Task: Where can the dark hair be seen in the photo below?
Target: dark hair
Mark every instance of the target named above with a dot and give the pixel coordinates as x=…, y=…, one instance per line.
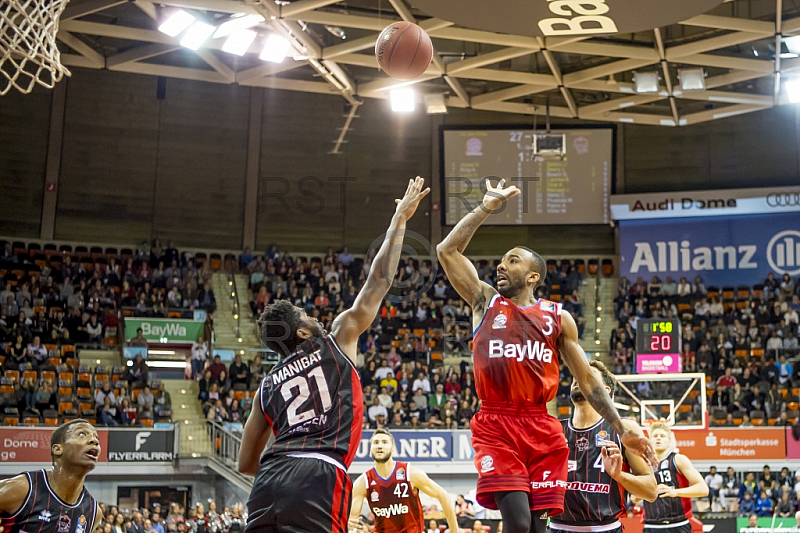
x=60, y=434
x=538, y=264
x=278, y=326
x=608, y=378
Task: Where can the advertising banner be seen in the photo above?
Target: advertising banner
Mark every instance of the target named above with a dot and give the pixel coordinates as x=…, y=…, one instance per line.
x=32, y=445
x=729, y=202
x=658, y=363
x=164, y=330
x=425, y=446
x=722, y=251
x=140, y=445
x=732, y=443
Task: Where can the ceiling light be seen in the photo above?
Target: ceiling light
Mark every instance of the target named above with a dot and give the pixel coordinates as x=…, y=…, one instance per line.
x=237, y=23
x=402, y=100
x=434, y=104
x=176, y=23
x=275, y=49
x=239, y=41
x=692, y=79
x=793, y=90
x=196, y=35
x=792, y=44
x=337, y=31
x=646, y=82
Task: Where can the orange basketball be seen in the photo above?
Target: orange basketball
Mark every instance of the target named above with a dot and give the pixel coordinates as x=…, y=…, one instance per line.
x=403, y=50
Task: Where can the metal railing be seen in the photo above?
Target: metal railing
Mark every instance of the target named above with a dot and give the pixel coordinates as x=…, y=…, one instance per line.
x=224, y=457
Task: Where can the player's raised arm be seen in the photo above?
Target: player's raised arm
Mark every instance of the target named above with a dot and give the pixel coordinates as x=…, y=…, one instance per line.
x=254, y=438
x=640, y=481
x=359, y=494
x=595, y=392
x=350, y=324
x=13, y=492
x=697, y=486
x=460, y=271
x=421, y=481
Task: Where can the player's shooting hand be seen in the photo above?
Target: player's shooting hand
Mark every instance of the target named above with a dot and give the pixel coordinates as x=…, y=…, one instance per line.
x=414, y=193
x=641, y=446
x=612, y=459
x=496, y=196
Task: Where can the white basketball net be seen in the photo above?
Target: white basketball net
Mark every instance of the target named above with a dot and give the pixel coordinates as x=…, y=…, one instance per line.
x=28, y=51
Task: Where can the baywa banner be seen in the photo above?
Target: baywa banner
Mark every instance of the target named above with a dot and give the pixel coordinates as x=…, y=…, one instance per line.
x=164, y=330
x=722, y=251
x=137, y=446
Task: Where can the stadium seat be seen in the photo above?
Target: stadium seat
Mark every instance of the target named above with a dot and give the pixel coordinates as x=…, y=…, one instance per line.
x=216, y=262
x=608, y=268
x=757, y=418
x=29, y=420
x=12, y=375
x=10, y=420
x=50, y=250
x=30, y=374
x=592, y=267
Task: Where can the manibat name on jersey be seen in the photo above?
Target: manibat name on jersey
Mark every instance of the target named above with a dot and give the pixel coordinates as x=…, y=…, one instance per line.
x=291, y=369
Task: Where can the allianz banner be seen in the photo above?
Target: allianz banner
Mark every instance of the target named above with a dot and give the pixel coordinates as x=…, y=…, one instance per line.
x=722, y=250
x=141, y=445
x=164, y=330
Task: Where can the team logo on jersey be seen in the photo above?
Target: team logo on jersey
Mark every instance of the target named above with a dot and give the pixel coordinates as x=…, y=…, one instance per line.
x=487, y=463
x=81, y=527
x=664, y=464
x=64, y=524
x=401, y=474
x=548, y=306
x=572, y=466
x=601, y=437
x=373, y=483
x=582, y=444
x=374, y=496
x=500, y=321
x=45, y=516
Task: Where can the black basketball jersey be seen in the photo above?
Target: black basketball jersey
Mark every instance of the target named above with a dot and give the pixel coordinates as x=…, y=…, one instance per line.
x=44, y=512
x=593, y=498
x=314, y=402
x=668, y=510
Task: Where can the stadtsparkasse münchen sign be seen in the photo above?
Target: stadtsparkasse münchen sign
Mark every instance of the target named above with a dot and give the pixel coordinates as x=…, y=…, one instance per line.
x=553, y=18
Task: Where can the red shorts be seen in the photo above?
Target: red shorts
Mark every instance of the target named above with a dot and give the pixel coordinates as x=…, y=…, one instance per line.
x=520, y=448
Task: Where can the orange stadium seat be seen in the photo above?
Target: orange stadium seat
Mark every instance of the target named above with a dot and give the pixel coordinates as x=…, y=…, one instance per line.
x=30, y=374
x=48, y=375
x=31, y=420
x=13, y=375
x=10, y=420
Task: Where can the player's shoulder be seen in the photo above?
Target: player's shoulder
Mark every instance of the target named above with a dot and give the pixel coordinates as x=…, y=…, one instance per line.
x=13, y=493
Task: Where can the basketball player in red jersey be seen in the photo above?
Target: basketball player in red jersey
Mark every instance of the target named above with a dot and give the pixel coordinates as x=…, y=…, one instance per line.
x=392, y=488
x=55, y=501
x=520, y=450
x=678, y=482
x=312, y=402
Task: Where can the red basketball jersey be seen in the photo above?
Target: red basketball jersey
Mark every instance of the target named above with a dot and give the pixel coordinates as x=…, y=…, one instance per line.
x=394, y=502
x=515, y=352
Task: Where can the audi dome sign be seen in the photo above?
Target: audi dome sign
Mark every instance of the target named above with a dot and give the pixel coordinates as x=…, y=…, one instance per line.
x=553, y=18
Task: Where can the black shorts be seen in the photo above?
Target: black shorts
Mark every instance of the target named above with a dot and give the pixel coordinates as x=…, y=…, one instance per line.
x=684, y=527
x=299, y=495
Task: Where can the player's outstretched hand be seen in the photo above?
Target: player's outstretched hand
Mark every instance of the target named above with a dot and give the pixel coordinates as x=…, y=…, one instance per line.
x=612, y=459
x=414, y=193
x=495, y=196
x=353, y=524
x=641, y=446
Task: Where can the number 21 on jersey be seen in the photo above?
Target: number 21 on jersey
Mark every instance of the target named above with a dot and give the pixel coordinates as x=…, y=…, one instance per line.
x=301, y=384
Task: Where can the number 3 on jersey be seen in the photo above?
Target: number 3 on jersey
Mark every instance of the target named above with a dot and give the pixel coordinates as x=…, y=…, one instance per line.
x=301, y=383
x=548, y=326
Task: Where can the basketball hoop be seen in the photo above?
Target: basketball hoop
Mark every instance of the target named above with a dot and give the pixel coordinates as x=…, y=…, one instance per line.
x=28, y=51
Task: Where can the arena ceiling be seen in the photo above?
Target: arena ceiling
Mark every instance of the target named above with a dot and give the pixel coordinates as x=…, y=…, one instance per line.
x=588, y=78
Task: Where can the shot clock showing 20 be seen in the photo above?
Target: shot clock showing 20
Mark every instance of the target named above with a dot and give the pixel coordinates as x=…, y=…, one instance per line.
x=658, y=346
x=658, y=336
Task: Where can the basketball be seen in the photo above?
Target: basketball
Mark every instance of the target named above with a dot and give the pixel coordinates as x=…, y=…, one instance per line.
x=403, y=50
